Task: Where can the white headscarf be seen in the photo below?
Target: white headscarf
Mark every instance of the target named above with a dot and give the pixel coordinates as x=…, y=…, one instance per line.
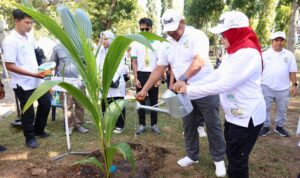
x=109, y=35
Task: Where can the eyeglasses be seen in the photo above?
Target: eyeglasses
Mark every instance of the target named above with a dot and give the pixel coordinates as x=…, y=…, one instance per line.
x=145, y=29
x=220, y=36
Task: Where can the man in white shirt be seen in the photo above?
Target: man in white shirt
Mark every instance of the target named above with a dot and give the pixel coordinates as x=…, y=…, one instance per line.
x=187, y=54
x=143, y=62
x=22, y=65
x=280, y=69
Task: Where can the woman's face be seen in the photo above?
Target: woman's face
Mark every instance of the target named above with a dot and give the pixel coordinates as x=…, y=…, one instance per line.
x=105, y=42
x=224, y=41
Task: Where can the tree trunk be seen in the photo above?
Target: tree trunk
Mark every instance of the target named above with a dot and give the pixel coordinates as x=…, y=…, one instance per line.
x=292, y=27
x=109, y=21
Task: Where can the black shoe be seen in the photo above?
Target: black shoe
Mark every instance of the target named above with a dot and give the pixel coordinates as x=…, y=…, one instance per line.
x=42, y=135
x=2, y=148
x=264, y=131
x=31, y=143
x=281, y=131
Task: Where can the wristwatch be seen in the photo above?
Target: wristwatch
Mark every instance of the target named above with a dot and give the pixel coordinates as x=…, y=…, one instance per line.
x=295, y=84
x=183, y=78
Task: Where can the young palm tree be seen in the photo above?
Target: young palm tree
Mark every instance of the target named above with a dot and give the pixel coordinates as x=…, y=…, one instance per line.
x=76, y=37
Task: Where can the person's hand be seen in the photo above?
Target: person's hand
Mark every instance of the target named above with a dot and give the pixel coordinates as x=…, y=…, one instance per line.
x=294, y=90
x=141, y=95
x=182, y=89
x=137, y=83
x=2, y=93
x=177, y=86
x=171, y=87
x=157, y=84
x=41, y=75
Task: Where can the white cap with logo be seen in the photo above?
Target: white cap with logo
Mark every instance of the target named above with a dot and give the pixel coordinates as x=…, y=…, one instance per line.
x=170, y=20
x=278, y=34
x=231, y=19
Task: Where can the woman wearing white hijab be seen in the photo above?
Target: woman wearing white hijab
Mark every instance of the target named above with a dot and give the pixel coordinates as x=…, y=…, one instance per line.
x=117, y=91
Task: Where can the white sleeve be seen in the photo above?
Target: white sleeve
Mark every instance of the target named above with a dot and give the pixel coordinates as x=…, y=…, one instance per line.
x=293, y=64
x=134, y=50
x=212, y=77
x=162, y=56
x=10, y=51
x=240, y=70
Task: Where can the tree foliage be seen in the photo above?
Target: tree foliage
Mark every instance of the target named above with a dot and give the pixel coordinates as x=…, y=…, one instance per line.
x=105, y=13
x=200, y=12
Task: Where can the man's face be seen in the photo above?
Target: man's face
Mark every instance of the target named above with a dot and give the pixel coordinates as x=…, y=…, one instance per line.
x=177, y=33
x=144, y=27
x=24, y=25
x=278, y=44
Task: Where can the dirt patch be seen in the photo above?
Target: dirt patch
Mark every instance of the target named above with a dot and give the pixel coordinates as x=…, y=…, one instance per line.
x=148, y=159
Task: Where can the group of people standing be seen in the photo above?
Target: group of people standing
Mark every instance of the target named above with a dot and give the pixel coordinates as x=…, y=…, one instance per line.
x=246, y=84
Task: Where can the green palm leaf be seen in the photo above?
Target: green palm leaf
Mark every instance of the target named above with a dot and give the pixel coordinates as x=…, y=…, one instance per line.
x=91, y=160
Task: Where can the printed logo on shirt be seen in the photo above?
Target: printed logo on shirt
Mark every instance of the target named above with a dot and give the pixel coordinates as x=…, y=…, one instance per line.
x=186, y=44
x=286, y=59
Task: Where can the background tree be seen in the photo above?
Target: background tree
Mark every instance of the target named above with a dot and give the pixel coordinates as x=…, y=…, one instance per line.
x=105, y=13
x=200, y=14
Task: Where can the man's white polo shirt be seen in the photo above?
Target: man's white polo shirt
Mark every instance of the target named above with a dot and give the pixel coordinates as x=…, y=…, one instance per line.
x=277, y=66
x=139, y=52
x=180, y=54
x=19, y=49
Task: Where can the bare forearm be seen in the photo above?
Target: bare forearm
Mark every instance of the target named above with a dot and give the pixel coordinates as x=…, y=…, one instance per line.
x=134, y=68
x=195, y=67
x=154, y=77
x=13, y=68
x=293, y=77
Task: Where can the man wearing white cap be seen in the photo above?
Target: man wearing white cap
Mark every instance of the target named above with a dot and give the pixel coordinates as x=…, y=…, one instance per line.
x=187, y=54
x=280, y=69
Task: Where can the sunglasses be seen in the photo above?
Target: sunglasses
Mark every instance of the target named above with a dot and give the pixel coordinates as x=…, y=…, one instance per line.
x=145, y=29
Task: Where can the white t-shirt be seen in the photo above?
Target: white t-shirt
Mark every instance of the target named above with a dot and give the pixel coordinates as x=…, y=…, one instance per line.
x=277, y=67
x=139, y=52
x=180, y=54
x=19, y=49
x=238, y=81
x=113, y=92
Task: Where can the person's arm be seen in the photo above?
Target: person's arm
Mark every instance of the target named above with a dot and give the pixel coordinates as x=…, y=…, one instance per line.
x=240, y=70
x=2, y=91
x=293, y=79
x=134, y=70
x=119, y=71
x=13, y=68
x=154, y=77
x=172, y=78
x=199, y=49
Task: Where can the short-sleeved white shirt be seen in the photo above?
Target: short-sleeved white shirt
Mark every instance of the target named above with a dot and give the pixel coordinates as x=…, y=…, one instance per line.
x=277, y=66
x=19, y=49
x=138, y=52
x=180, y=54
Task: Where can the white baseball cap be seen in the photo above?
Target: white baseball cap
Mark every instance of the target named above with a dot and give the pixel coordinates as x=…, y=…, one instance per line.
x=170, y=20
x=231, y=19
x=278, y=34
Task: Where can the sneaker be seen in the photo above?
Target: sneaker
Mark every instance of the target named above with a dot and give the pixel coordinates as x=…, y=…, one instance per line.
x=140, y=130
x=201, y=131
x=118, y=130
x=220, y=169
x=31, y=143
x=186, y=161
x=281, y=131
x=44, y=134
x=264, y=131
x=2, y=148
x=82, y=129
x=155, y=129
